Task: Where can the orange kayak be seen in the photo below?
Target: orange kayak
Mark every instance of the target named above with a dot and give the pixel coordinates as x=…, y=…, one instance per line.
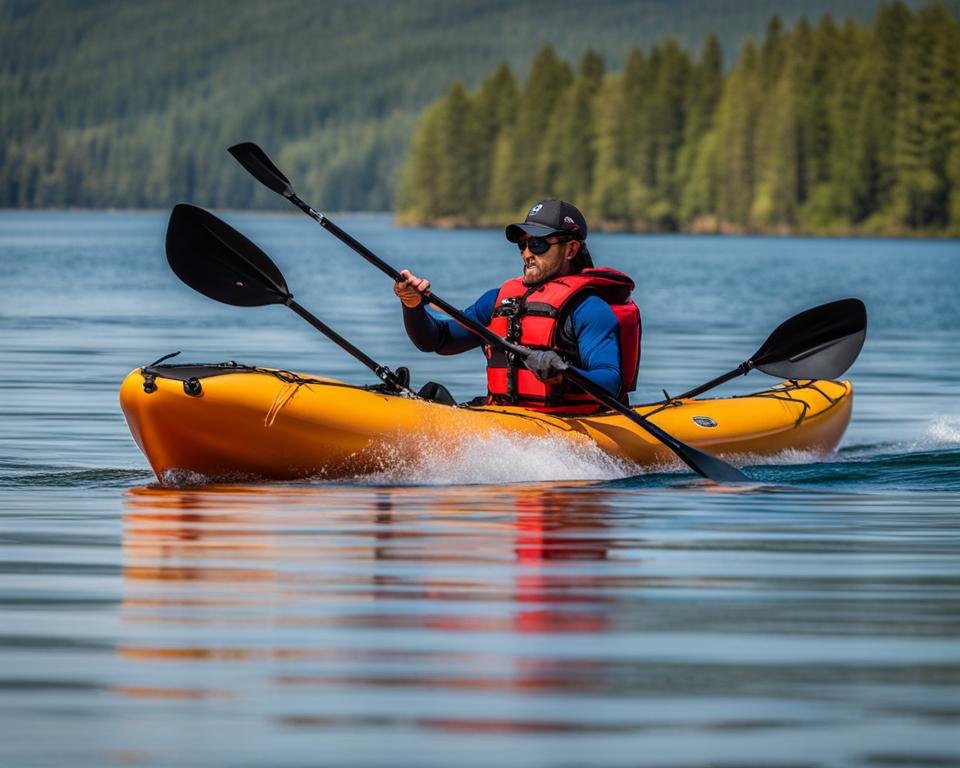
x=230, y=422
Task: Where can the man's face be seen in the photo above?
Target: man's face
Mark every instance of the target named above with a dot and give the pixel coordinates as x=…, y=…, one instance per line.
x=554, y=262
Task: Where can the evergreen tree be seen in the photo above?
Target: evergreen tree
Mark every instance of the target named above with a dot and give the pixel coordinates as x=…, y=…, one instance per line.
x=924, y=127
x=548, y=80
x=610, y=180
x=697, y=196
x=570, y=154
x=494, y=106
x=852, y=158
x=501, y=200
x=637, y=136
x=773, y=53
x=456, y=155
x=944, y=104
x=667, y=114
x=889, y=30
x=817, y=138
x=854, y=153
x=737, y=118
x=777, y=161
x=419, y=192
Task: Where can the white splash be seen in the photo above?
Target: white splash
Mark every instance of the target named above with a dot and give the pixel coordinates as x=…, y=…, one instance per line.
x=498, y=458
x=945, y=432
x=785, y=457
x=181, y=478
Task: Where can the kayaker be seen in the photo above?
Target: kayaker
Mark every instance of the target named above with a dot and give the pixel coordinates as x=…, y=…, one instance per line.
x=561, y=306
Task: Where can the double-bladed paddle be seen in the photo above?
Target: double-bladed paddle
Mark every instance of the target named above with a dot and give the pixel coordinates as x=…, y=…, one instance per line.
x=214, y=259
x=818, y=343
x=256, y=161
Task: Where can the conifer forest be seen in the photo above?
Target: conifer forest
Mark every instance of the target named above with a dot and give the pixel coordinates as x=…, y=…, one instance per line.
x=698, y=115
x=819, y=128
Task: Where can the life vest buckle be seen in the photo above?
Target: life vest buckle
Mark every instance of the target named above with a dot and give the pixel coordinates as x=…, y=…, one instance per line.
x=510, y=307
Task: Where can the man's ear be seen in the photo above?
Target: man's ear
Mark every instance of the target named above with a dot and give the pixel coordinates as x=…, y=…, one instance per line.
x=572, y=252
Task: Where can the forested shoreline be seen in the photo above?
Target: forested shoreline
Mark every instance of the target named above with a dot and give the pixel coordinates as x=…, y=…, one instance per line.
x=111, y=104
x=822, y=128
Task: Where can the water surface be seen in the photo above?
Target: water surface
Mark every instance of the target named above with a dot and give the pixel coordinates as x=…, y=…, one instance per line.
x=517, y=605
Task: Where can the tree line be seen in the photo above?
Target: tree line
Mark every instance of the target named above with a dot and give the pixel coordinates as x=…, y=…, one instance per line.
x=825, y=128
x=108, y=103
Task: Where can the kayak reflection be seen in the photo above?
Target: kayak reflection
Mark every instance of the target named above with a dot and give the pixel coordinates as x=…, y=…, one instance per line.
x=321, y=588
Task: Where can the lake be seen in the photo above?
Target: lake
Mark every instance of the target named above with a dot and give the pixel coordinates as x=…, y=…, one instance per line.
x=506, y=606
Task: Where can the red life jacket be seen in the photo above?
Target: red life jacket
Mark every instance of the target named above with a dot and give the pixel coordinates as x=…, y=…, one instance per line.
x=535, y=317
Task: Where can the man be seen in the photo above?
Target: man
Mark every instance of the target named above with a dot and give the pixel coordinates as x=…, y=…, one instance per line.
x=567, y=311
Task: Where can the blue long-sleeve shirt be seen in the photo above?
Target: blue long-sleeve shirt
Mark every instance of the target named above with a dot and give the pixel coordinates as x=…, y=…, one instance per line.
x=592, y=323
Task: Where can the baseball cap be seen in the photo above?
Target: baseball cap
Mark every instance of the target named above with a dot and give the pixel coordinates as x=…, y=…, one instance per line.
x=548, y=217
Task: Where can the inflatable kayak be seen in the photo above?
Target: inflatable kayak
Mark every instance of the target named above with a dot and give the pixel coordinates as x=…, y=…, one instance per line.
x=229, y=422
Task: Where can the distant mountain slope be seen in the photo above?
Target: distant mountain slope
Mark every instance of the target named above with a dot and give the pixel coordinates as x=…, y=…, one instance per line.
x=109, y=103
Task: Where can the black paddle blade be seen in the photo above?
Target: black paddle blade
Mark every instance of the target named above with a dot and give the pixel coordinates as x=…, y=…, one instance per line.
x=255, y=160
x=820, y=343
x=214, y=259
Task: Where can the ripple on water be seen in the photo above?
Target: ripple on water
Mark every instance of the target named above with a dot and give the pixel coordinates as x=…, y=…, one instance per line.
x=473, y=606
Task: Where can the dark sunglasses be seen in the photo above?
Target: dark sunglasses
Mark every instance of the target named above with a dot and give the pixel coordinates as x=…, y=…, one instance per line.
x=539, y=245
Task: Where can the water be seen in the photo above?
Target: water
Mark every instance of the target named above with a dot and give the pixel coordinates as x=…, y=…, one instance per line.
x=517, y=605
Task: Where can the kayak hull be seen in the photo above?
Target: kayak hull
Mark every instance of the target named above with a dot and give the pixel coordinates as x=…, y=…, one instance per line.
x=244, y=423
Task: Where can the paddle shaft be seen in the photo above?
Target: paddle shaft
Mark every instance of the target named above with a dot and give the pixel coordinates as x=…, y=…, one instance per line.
x=382, y=371
x=702, y=463
x=480, y=330
x=359, y=247
x=741, y=370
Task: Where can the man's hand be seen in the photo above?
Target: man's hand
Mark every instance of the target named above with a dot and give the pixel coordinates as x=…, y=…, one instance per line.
x=545, y=364
x=410, y=289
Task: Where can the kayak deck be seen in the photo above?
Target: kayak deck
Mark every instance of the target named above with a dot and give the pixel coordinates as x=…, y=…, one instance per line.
x=229, y=422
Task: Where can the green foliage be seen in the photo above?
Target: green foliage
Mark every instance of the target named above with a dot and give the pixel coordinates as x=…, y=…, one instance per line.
x=696, y=198
x=126, y=104
x=821, y=128
x=568, y=154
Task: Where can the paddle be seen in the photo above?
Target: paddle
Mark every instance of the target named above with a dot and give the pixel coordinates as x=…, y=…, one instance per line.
x=256, y=161
x=217, y=261
x=818, y=343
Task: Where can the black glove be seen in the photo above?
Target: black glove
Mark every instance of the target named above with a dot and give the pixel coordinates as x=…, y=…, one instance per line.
x=545, y=364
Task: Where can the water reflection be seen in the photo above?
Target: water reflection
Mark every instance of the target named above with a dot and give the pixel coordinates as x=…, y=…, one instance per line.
x=317, y=575
x=531, y=610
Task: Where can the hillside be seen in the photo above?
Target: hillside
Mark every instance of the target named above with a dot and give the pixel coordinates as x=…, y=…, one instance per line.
x=113, y=104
